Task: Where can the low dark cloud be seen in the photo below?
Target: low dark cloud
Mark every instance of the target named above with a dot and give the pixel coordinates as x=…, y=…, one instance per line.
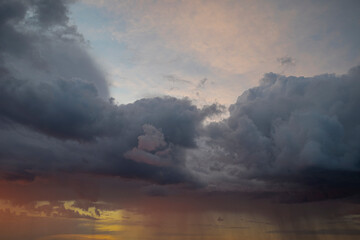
x=156, y=191
x=336, y=232
x=120, y=131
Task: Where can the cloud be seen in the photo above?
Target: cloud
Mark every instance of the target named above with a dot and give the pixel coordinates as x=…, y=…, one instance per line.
x=55, y=113
x=286, y=61
x=35, y=153
x=336, y=232
x=52, y=12
x=175, y=79
x=152, y=140
x=151, y=149
x=56, y=119
x=201, y=84
x=156, y=191
x=286, y=131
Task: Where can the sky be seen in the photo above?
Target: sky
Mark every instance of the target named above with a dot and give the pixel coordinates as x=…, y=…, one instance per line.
x=179, y=120
x=171, y=47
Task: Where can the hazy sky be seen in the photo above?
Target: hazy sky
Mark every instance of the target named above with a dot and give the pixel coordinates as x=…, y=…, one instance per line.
x=211, y=120
x=151, y=48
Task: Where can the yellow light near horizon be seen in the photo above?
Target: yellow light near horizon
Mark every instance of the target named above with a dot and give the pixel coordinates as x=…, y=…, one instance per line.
x=158, y=224
x=79, y=237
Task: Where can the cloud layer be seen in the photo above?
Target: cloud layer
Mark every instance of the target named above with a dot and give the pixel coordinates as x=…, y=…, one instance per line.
x=56, y=118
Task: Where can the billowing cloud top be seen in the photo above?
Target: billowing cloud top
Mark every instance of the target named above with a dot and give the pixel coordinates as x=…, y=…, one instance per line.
x=56, y=118
x=293, y=130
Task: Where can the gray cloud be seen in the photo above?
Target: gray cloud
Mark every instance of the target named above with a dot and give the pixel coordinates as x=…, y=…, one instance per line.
x=286, y=61
x=48, y=79
x=201, y=84
x=27, y=154
x=51, y=12
x=175, y=79
x=335, y=232
x=55, y=116
x=291, y=130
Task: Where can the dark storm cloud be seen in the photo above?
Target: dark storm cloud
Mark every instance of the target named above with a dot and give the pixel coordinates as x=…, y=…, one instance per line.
x=62, y=108
x=51, y=12
x=55, y=116
x=294, y=130
x=42, y=85
x=27, y=154
x=12, y=41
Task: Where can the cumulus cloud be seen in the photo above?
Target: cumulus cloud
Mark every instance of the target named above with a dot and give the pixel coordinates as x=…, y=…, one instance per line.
x=293, y=130
x=151, y=148
x=152, y=140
